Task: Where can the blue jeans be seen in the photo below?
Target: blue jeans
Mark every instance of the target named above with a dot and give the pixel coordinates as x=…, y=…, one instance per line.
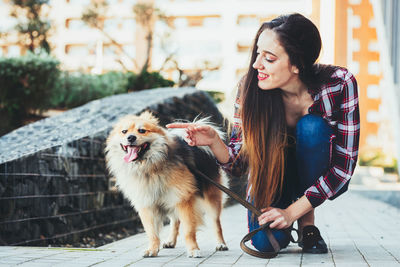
x=307, y=157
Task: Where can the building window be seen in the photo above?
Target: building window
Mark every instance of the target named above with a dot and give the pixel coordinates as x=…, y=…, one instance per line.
x=195, y=21
x=196, y=48
x=75, y=24
x=373, y=116
x=180, y=23
x=79, y=2
x=354, y=67
x=372, y=140
x=248, y=21
x=373, y=68
x=77, y=50
x=373, y=46
x=212, y=76
x=7, y=23
x=13, y=51
x=132, y=2
x=111, y=24
x=373, y=91
x=130, y=50
x=123, y=24
x=241, y=48
x=110, y=50
x=114, y=2
x=128, y=25
x=212, y=22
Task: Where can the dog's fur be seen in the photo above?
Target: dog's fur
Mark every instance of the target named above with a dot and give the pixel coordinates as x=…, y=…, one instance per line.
x=159, y=180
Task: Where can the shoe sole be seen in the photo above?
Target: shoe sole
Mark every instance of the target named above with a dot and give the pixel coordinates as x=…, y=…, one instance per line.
x=315, y=251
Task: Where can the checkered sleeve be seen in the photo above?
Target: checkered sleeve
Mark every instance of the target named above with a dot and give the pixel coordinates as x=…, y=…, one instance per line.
x=344, y=145
x=236, y=165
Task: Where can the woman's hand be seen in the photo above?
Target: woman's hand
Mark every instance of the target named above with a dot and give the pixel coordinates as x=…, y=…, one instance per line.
x=197, y=135
x=280, y=218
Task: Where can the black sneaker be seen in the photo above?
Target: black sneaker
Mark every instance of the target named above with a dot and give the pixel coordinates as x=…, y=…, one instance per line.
x=312, y=241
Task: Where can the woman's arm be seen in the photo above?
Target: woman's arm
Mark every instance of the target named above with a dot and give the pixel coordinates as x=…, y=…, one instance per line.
x=227, y=155
x=343, y=162
x=284, y=218
x=204, y=135
x=345, y=145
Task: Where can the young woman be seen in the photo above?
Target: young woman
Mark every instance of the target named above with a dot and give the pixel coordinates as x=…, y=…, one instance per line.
x=296, y=128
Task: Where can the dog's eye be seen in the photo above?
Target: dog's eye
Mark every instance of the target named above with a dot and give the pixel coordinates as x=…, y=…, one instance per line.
x=124, y=131
x=142, y=131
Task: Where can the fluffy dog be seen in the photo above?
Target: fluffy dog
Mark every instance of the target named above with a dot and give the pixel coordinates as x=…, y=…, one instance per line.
x=155, y=170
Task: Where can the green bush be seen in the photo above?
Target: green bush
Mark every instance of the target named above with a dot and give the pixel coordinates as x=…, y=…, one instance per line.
x=34, y=83
x=217, y=96
x=26, y=84
x=148, y=80
x=75, y=89
x=378, y=159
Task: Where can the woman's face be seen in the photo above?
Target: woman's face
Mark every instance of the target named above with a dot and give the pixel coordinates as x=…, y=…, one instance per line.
x=272, y=63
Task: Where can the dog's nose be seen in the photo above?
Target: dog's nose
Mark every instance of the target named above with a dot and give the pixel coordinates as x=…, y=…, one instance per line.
x=131, y=138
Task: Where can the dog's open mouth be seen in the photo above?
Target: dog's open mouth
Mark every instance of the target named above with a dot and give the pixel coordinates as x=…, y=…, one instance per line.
x=134, y=152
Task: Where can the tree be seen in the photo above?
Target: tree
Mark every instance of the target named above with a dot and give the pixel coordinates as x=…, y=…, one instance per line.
x=32, y=28
x=94, y=16
x=145, y=15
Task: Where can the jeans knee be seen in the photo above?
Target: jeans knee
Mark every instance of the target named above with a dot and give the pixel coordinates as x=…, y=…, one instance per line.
x=312, y=130
x=261, y=242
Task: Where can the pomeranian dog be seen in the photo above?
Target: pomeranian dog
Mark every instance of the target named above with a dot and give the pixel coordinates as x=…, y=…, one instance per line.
x=154, y=169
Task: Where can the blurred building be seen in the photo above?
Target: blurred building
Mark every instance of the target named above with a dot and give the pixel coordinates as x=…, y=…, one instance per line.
x=362, y=35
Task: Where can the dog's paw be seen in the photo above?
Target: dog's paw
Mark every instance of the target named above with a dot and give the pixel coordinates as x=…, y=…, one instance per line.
x=150, y=253
x=169, y=244
x=221, y=247
x=194, y=253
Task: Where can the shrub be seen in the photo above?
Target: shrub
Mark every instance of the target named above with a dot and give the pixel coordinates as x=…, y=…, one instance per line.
x=75, y=89
x=26, y=84
x=217, y=96
x=148, y=80
x=379, y=159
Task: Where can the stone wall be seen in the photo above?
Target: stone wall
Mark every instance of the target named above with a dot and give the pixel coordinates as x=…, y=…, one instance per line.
x=54, y=187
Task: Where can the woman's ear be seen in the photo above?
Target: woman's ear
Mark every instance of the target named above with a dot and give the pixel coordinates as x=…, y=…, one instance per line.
x=295, y=69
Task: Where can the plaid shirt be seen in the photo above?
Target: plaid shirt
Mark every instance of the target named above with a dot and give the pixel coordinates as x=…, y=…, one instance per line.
x=337, y=103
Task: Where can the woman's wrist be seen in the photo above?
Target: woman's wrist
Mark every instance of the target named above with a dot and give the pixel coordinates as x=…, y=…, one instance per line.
x=220, y=150
x=300, y=207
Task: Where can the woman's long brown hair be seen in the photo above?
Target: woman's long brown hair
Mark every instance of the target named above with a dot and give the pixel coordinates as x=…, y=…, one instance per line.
x=263, y=116
x=265, y=139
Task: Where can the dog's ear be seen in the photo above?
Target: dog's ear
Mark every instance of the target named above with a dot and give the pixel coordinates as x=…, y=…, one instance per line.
x=147, y=115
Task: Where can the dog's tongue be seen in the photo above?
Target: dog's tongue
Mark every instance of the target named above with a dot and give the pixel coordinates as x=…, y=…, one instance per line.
x=132, y=154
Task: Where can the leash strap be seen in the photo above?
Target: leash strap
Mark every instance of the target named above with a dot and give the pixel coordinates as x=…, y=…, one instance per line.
x=264, y=227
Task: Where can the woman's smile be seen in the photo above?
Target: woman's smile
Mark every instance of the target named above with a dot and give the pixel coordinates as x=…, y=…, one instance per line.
x=262, y=76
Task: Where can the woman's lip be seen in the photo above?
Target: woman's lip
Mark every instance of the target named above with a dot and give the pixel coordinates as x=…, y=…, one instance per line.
x=262, y=78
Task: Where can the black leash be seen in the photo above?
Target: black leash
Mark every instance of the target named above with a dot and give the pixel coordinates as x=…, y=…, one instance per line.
x=264, y=227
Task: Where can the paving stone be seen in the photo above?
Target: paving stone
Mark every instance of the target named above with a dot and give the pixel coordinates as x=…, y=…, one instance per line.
x=350, y=244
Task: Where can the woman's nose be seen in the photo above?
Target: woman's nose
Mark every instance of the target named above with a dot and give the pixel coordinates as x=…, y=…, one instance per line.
x=257, y=64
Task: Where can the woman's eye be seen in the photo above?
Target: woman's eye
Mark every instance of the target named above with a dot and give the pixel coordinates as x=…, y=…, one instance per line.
x=124, y=131
x=269, y=60
x=142, y=131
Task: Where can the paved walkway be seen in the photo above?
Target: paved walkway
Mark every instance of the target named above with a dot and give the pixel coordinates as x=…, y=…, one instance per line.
x=358, y=231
